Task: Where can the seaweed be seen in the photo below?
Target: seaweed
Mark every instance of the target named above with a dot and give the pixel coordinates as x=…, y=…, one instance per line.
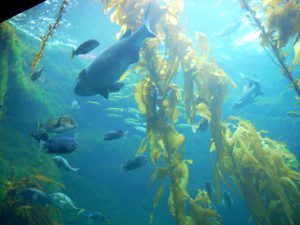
x=45, y=38
x=15, y=210
x=160, y=61
x=279, y=28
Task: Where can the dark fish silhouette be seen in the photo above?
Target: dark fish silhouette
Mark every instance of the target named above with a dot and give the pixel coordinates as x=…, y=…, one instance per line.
x=100, y=76
x=60, y=145
x=36, y=74
x=114, y=134
x=135, y=163
x=251, y=91
x=40, y=135
x=35, y=196
x=203, y=125
x=85, y=47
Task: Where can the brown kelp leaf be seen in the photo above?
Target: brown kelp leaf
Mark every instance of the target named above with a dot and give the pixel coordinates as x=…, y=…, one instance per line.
x=158, y=196
x=47, y=179
x=297, y=53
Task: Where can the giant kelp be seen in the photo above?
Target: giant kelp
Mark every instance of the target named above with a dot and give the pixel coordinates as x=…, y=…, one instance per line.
x=264, y=171
x=159, y=64
x=279, y=26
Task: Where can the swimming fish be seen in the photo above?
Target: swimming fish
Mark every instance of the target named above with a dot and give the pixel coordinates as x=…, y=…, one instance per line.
x=96, y=218
x=94, y=103
x=114, y=134
x=102, y=73
x=141, y=129
x=251, y=91
x=64, y=202
x=59, y=124
x=135, y=163
x=40, y=135
x=62, y=163
x=228, y=29
x=36, y=74
x=85, y=47
x=60, y=145
x=34, y=196
x=114, y=115
x=293, y=114
x=227, y=200
x=75, y=105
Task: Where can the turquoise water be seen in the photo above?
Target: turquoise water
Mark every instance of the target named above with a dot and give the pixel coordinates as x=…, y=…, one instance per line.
x=125, y=197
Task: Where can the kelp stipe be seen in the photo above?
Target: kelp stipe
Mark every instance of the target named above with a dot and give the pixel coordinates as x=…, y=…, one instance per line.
x=45, y=38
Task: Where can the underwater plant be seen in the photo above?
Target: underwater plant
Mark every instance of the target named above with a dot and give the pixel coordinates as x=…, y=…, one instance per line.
x=157, y=97
x=45, y=38
x=16, y=210
x=280, y=27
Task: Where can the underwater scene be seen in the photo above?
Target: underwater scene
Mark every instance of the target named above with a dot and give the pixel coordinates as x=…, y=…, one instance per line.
x=164, y=112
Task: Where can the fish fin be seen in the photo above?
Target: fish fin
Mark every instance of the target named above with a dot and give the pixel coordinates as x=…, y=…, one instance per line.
x=73, y=53
x=147, y=33
x=126, y=34
x=116, y=87
x=80, y=210
x=81, y=75
x=125, y=134
x=123, y=167
x=75, y=169
x=104, y=93
x=195, y=128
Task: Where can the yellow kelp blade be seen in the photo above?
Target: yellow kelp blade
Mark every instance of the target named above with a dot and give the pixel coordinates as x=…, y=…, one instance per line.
x=297, y=53
x=143, y=146
x=204, y=111
x=271, y=2
x=48, y=180
x=158, y=196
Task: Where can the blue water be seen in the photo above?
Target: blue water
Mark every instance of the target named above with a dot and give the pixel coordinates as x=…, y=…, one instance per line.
x=126, y=198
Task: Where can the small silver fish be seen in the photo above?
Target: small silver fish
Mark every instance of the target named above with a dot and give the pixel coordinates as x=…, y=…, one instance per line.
x=61, y=162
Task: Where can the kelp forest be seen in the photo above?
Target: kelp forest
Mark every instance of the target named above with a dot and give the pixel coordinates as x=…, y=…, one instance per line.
x=243, y=159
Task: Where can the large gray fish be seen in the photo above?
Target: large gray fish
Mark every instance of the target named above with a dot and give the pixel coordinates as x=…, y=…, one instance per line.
x=35, y=196
x=252, y=90
x=85, y=47
x=135, y=163
x=62, y=163
x=60, y=145
x=102, y=74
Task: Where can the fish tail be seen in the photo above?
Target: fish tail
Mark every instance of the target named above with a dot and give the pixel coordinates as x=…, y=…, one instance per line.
x=73, y=54
x=80, y=210
x=146, y=25
x=125, y=133
x=75, y=169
